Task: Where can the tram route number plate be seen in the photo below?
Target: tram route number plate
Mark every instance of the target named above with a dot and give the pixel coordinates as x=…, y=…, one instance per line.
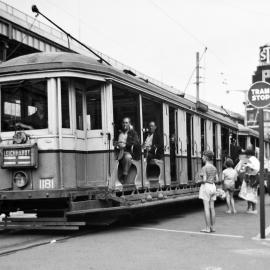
x=46, y=183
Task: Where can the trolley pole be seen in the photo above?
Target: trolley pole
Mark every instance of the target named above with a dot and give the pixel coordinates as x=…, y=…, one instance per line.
x=197, y=76
x=262, y=202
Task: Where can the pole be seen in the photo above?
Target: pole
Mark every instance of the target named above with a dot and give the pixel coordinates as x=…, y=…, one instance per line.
x=197, y=76
x=262, y=203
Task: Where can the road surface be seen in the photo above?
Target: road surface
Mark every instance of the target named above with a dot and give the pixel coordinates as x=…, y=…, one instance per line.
x=165, y=239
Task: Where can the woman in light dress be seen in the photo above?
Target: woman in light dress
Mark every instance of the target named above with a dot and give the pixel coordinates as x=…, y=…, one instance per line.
x=249, y=167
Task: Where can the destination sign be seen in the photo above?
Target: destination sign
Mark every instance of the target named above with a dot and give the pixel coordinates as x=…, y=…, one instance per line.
x=15, y=156
x=259, y=94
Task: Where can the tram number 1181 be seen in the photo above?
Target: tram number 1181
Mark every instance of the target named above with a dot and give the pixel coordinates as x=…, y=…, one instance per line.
x=46, y=183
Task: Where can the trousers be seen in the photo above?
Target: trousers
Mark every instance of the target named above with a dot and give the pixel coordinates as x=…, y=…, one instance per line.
x=126, y=162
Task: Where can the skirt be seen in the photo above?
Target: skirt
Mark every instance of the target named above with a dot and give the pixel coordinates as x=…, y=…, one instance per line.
x=248, y=193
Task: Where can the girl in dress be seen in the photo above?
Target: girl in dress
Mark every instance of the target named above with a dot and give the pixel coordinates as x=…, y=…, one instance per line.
x=229, y=177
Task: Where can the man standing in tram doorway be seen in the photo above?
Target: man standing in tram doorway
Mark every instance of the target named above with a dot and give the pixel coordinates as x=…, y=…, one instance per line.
x=153, y=144
x=129, y=147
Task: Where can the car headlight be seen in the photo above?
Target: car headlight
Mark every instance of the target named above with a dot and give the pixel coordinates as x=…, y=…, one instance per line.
x=20, y=179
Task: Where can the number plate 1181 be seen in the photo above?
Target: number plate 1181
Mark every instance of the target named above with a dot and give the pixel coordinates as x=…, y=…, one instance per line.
x=46, y=183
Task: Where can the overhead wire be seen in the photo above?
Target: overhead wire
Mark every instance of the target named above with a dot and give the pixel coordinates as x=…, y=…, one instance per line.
x=75, y=18
x=184, y=29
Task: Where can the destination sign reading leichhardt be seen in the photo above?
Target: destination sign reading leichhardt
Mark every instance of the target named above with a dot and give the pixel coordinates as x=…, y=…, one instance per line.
x=23, y=156
x=17, y=156
x=259, y=94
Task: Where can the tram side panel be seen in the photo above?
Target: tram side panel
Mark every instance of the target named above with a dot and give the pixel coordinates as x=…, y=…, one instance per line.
x=196, y=146
x=219, y=150
x=182, y=148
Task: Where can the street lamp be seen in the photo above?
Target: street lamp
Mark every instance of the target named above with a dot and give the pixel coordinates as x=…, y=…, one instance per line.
x=245, y=102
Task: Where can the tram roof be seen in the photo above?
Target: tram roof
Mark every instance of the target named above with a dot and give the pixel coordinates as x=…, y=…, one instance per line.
x=44, y=61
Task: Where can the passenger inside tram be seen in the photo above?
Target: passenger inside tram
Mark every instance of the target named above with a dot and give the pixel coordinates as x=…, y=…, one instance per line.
x=127, y=147
x=24, y=105
x=153, y=143
x=37, y=120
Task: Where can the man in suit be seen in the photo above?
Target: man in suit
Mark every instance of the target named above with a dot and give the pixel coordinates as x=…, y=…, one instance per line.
x=129, y=146
x=153, y=144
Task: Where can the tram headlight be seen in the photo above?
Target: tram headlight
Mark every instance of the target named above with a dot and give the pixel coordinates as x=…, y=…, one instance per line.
x=20, y=179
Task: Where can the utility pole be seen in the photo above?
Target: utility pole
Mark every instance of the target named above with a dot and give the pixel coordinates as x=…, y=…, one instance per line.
x=197, y=76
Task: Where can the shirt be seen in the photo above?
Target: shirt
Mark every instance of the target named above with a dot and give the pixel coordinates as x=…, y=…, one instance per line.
x=210, y=172
x=122, y=137
x=229, y=174
x=149, y=141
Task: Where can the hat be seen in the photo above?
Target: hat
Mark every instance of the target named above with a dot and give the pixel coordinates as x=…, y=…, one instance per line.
x=209, y=154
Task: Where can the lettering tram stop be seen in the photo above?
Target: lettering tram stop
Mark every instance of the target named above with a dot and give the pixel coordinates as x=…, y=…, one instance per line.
x=259, y=97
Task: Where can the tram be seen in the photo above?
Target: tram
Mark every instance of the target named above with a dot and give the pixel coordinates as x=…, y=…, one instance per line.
x=60, y=113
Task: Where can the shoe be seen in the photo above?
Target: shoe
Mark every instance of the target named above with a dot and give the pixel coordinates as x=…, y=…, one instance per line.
x=228, y=212
x=234, y=211
x=205, y=230
x=212, y=230
x=255, y=212
x=249, y=211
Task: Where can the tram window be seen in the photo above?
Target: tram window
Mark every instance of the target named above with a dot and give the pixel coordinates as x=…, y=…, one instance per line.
x=93, y=110
x=251, y=116
x=242, y=141
x=24, y=106
x=202, y=135
x=125, y=104
x=65, y=104
x=152, y=111
x=79, y=110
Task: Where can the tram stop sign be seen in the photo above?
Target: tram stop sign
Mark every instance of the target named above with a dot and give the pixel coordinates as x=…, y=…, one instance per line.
x=259, y=97
x=259, y=94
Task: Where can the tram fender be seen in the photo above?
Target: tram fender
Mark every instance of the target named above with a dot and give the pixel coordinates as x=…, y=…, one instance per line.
x=90, y=204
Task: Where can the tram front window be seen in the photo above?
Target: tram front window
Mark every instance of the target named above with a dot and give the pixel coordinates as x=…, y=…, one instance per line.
x=24, y=106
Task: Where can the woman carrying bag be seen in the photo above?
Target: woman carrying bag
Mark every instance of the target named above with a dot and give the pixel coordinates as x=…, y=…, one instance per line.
x=249, y=166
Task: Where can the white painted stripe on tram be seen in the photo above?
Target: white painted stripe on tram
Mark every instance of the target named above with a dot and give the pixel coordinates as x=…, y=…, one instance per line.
x=188, y=232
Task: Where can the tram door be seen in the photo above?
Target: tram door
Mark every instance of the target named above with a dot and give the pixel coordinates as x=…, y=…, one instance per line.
x=189, y=129
x=173, y=140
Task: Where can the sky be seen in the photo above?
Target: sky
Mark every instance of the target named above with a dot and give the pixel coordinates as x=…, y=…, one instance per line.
x=160, y=38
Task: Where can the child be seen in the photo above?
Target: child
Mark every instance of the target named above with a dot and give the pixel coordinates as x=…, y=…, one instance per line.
x=208, y=190
x=229, y=177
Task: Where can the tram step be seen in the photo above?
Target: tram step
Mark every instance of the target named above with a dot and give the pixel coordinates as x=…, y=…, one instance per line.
x=47, y=223
x=38, y=227
x=22, y=218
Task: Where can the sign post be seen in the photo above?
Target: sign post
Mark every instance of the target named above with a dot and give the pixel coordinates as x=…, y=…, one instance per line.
x=259, y=97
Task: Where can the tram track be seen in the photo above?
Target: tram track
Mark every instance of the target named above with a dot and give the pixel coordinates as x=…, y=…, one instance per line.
x=36, y=241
